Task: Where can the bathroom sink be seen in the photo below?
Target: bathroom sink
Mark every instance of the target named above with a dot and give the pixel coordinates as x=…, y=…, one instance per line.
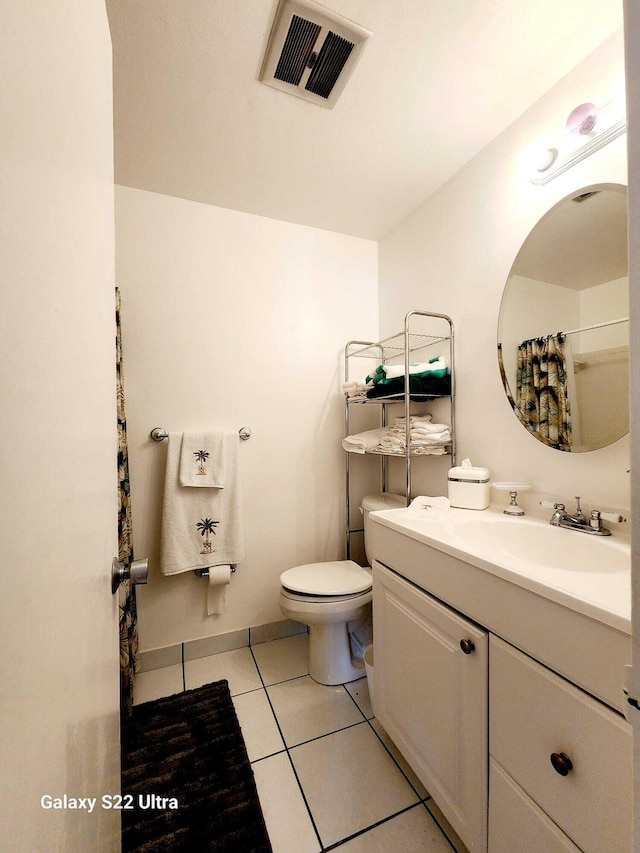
x=554, y=548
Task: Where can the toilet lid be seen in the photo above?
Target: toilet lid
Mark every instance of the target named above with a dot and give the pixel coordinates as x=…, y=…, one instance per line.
x=341, y=577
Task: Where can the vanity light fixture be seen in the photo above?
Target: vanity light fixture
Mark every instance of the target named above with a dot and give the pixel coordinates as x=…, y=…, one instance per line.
x=582, y=119
x=587, y=129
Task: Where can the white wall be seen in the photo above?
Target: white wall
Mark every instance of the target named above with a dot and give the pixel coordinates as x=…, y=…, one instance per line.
x=454, y=255
x=58, y=628
x=233, y=320
x=608, y=301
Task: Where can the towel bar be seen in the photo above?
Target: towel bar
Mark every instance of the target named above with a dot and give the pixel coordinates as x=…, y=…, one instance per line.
x=204, y=573
x=159, y=434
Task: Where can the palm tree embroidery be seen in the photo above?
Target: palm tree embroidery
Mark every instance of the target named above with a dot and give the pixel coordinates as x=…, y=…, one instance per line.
x=206, y=526
x=201, y=456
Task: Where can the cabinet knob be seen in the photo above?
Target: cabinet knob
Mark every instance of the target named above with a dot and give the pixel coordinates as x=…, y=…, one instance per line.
x=562, y=764
x=467, y=646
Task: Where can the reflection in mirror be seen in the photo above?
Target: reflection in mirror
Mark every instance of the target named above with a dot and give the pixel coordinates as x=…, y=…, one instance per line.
x=563, y=330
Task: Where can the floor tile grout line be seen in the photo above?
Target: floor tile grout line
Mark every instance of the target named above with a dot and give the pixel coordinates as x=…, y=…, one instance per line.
x=366, y=829
x=286, y=749
x=393, y=758
x=326, y=734
x=284, y=680
x=270, y=755
x=440, y=827
x=353, y=700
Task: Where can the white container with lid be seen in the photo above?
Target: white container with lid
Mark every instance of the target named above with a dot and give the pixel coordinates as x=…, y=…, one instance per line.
x=469, y=486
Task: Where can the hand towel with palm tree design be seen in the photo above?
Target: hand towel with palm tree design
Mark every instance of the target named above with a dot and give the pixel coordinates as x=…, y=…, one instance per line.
x=202, y=458
x=201, y=528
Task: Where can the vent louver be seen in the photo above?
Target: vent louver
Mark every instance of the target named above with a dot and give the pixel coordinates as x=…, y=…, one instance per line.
x=298, y=47
x=311, y=51
x=329, y=64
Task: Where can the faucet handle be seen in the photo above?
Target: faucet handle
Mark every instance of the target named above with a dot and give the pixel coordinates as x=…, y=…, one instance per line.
x=614, y=517
x=551, y=505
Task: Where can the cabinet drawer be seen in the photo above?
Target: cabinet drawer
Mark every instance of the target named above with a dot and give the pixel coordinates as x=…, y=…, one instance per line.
x=517, y=823
x=534, y=714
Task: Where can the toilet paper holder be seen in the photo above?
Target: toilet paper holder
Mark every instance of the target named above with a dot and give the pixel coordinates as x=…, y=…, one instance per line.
x=204, y=573
x=137, y=572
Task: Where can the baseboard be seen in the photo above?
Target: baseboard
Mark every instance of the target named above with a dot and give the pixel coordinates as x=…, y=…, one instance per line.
x=205, y=646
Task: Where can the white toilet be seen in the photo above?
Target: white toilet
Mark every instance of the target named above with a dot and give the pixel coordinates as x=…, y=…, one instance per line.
x=326, y=597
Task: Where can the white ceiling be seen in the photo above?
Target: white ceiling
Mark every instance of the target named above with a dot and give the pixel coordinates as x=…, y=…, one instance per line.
x=438, y=80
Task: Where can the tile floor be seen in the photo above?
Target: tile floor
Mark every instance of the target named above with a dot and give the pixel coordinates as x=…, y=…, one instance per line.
x=328, y=775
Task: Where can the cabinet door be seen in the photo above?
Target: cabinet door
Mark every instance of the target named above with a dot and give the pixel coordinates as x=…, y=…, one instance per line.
x=431, y=697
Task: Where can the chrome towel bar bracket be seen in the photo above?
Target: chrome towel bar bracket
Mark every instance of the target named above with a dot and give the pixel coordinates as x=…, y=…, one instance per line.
x=159, y=434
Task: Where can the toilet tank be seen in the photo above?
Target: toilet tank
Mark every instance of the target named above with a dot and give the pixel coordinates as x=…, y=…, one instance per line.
x=371, y=503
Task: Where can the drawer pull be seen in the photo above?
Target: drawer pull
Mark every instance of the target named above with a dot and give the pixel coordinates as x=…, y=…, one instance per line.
x=467, y=646
x=562, y=764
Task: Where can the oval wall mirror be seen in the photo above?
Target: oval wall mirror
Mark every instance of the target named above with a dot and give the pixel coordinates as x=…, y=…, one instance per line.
x=563, y=329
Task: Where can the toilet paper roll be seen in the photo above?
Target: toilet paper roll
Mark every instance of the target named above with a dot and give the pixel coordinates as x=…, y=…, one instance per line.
x=219, y=577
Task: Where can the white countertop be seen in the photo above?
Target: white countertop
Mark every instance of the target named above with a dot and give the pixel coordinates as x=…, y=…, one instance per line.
x=586, y=573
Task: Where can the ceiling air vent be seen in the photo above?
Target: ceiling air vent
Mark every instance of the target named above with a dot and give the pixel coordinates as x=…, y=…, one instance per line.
x=311, y=51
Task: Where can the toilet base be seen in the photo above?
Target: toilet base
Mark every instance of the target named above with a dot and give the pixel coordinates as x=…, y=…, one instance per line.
x=330, y=654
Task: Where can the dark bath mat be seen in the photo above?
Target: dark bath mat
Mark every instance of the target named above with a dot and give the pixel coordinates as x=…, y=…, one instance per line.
x=189, y=748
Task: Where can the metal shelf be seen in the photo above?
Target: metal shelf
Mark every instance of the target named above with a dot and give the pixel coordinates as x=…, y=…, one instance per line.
x=394, y=347
x=396, y=398
x=399, y=454
x=397, y=347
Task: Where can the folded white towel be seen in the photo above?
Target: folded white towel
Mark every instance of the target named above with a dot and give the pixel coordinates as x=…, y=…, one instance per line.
x=355, y=389
x=432, y=438
x=414, y=420
x=200, y=527
x=202, y=458
x=428, y=429
x=360, y=442
x=417, y=450
x=391, y=443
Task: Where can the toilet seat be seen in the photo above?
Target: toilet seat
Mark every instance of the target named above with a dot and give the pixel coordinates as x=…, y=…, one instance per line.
x=320, y=600
x=339, y=580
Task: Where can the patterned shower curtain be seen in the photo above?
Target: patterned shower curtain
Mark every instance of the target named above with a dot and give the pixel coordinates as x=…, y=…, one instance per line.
x=127, y=591
x=541, y=390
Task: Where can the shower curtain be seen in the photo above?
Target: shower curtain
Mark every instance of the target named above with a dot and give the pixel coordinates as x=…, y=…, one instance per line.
x=127, y=591
x=541, y=390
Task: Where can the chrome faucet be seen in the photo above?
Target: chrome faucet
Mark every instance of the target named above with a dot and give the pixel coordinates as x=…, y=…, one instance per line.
x=579, y=521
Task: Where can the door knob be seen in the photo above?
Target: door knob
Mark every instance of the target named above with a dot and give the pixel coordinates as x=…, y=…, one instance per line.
x=467, y=646
x=137, y=572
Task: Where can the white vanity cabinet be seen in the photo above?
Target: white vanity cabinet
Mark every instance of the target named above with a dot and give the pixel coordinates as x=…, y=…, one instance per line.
x=480, y=729
x=431, y=697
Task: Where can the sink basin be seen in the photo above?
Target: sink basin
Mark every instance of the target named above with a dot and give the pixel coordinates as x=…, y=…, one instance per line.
x=552, y=547
x=588, y=573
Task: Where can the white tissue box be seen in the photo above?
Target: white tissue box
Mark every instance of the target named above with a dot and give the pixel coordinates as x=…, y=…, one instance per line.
x=469, y=487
